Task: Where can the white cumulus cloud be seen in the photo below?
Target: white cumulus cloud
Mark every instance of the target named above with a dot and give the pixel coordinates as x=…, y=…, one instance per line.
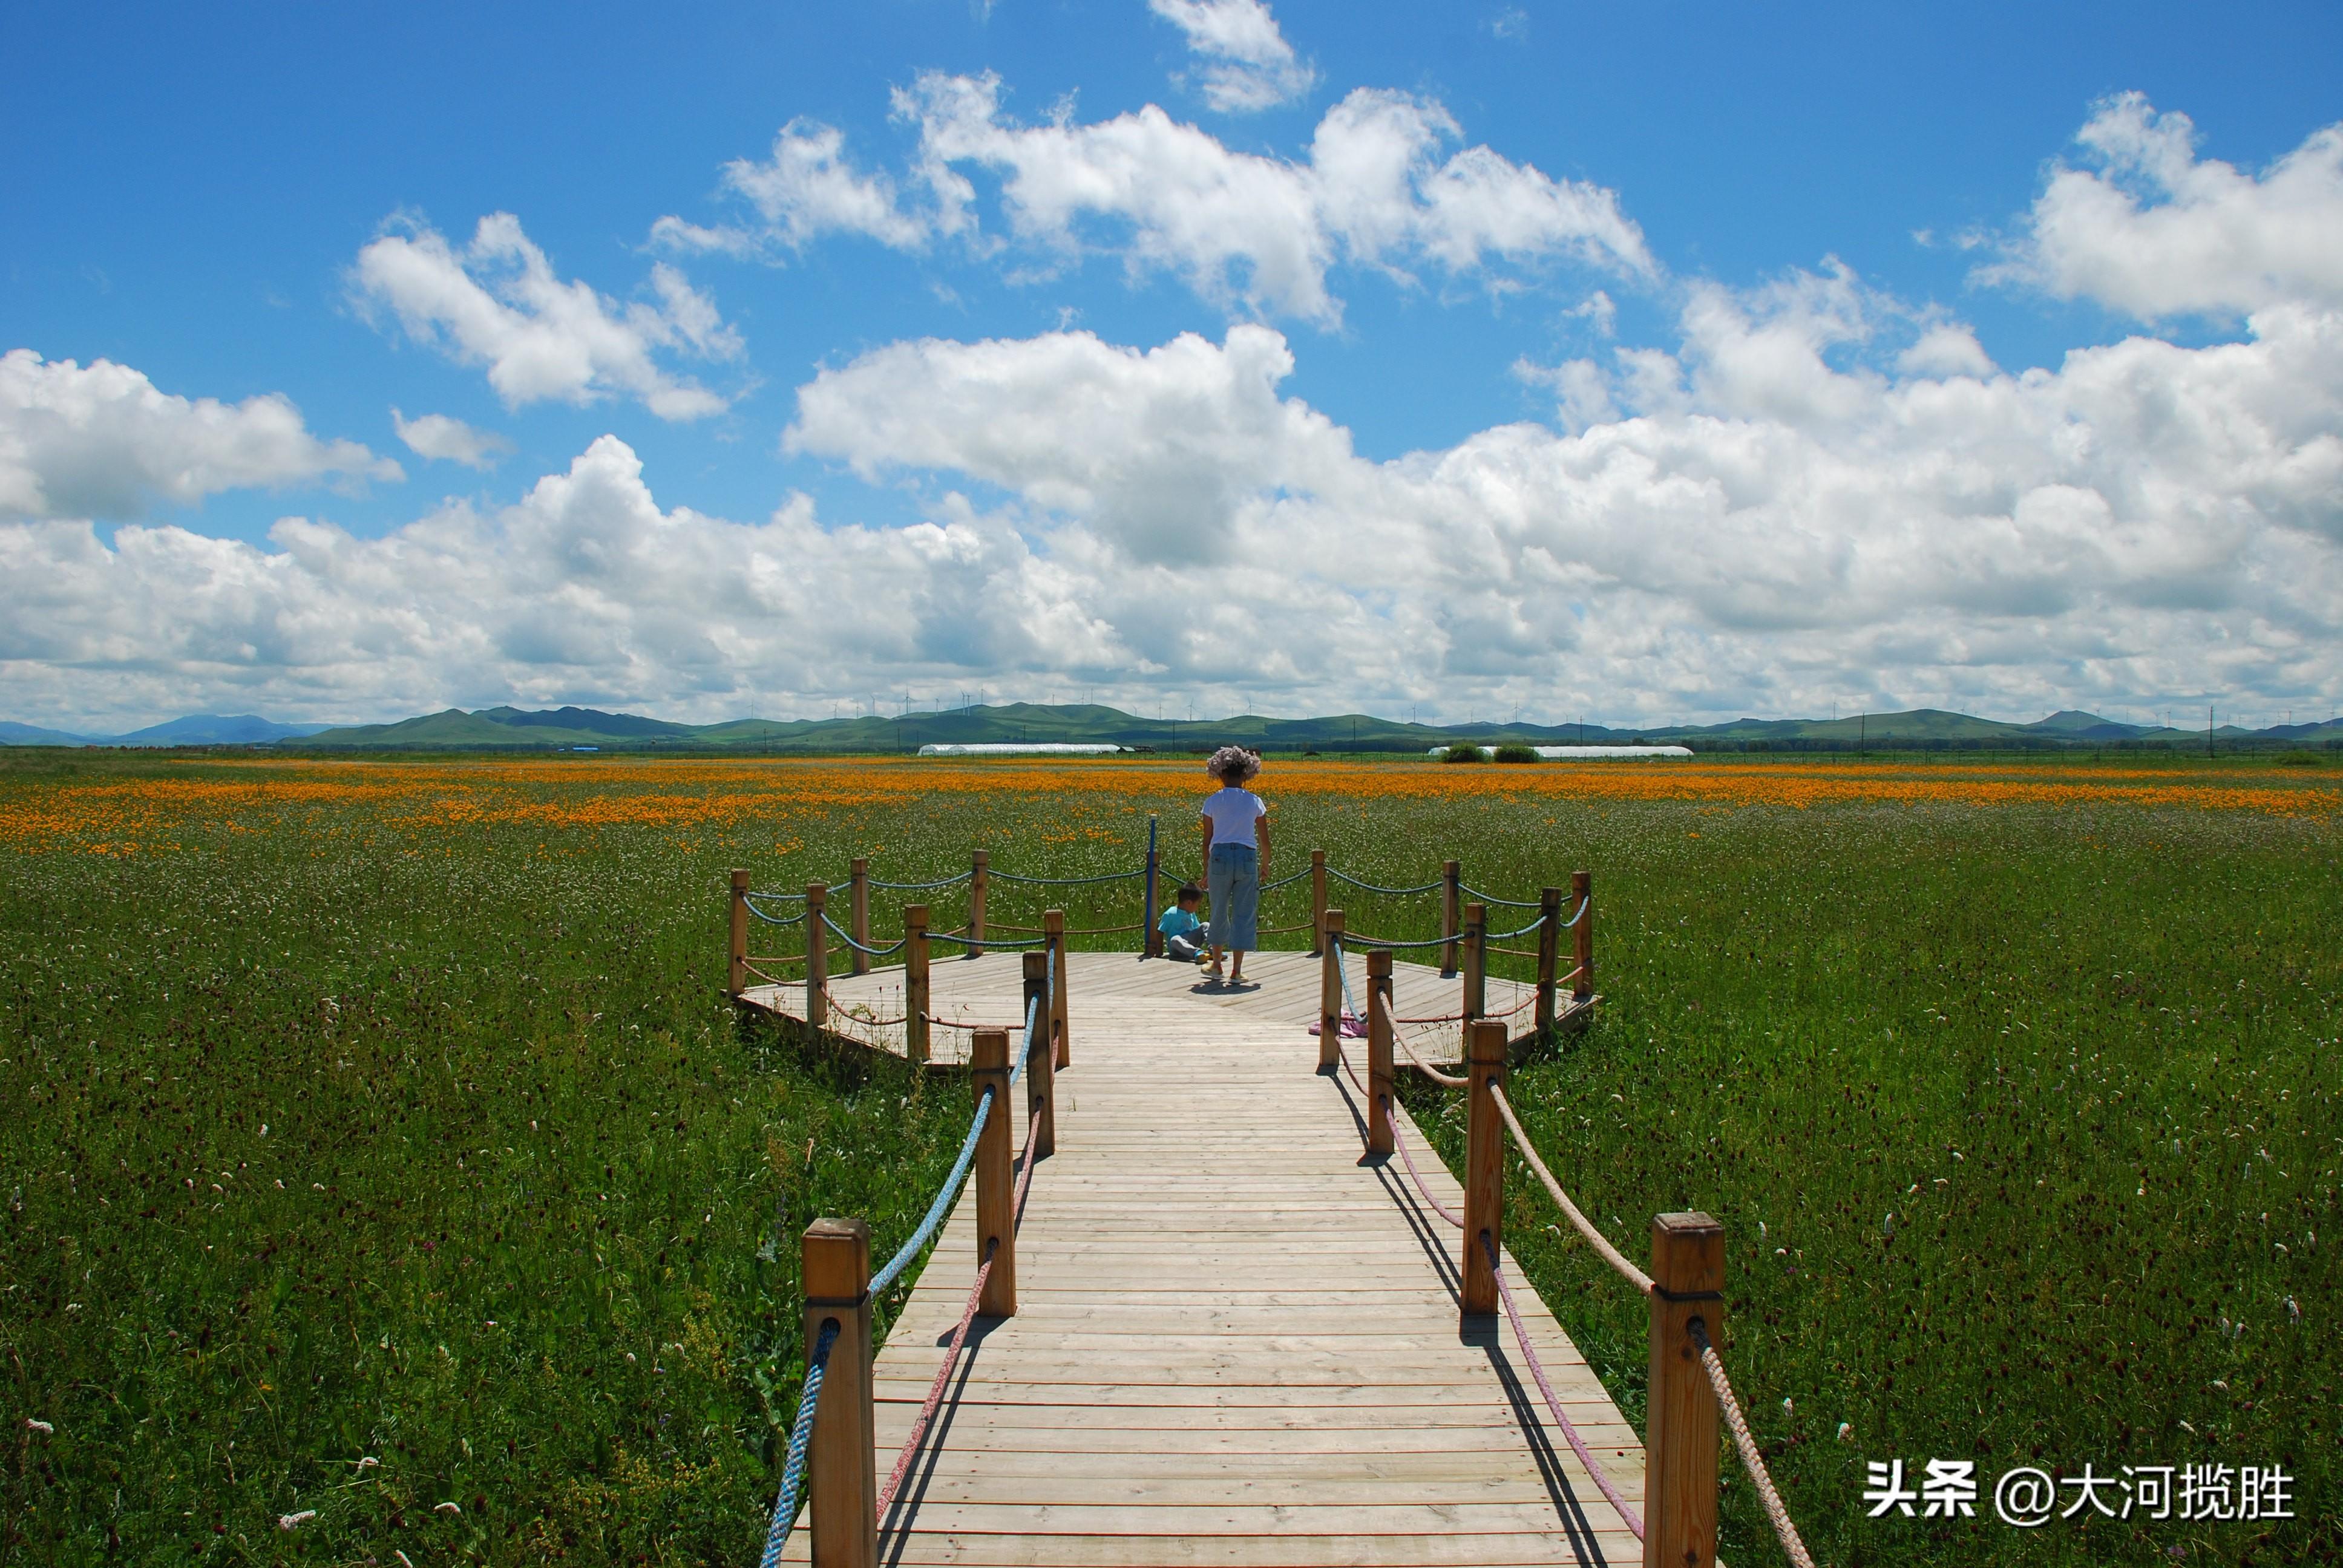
x=1154, y=450
x=497, y=302
x=2154, y=231
x=1384, y=187
x=1249, y=64
x=807, y=189
x=1258, y=229
x=103, y=441
x=444, y=439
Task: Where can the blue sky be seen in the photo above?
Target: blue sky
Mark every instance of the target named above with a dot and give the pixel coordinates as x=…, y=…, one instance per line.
x=1683, y=372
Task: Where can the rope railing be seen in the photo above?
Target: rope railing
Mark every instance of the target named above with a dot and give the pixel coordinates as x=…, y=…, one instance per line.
x=923, y=887
x=1488, y=937
x=1683, y=1289
x=837, y=1277
x=1729, y=1406
x=1562, y=1418
x=937, y=1209
x=1578, y=1220
x=785, y=1507
x=797, y=918
x=1476, y=893
x=1399, y=1141
x=1392, y=892
x=1364, y=941
x=843, y=935
x=967, y=941
x=1068, y=881
x=934, y=1400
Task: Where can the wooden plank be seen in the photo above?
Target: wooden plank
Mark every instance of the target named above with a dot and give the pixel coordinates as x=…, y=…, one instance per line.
x=1236, y=1339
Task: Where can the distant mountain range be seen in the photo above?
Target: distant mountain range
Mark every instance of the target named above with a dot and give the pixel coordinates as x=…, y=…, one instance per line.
x=571, y=729
x=195, y=729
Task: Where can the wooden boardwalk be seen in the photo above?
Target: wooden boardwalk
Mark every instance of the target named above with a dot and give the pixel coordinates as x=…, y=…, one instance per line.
x=1237, y=1340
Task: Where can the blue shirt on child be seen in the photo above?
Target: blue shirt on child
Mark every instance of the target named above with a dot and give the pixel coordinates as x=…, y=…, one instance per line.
x=1178, y=922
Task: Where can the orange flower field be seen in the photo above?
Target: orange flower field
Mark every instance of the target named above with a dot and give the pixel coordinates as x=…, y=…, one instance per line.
x=156, y=812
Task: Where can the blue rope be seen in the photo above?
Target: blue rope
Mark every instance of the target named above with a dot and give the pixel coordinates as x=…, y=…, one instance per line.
x=1508, y=936
x=1492, y=899
x=773, y=919
x=1365, y=942
x=1369, y=887
x=858, y=947
x=1071, y=882
x=968, y=941
x=1283, y=881
x=927, y=1230
x=785, y=1509
x=921, y=886
x=1579, y=915
x=1343, y=973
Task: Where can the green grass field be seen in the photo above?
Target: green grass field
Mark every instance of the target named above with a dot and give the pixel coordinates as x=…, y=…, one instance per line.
x=378, y=1140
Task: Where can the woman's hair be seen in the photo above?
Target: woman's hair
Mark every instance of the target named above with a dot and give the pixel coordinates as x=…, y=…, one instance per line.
x=1233, y=765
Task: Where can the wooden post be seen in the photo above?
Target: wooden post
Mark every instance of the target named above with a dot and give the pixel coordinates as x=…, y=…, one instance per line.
x=1378, y=1052
x=1317, y=902
x=1040, y=1061
x=1476, y=964
x=841, y=1469
x=1581, y=892
x=1484, y=1164
x=1549, y=953
x=1053, y=931
x=1151, y=940
x=1330, y=993
x=1451, y=880
x=738, y=972
x=857, y=905
x=979, y=877
x=996, y=1188
x=1680, y=1436
x=817, y=956
x=915, y=983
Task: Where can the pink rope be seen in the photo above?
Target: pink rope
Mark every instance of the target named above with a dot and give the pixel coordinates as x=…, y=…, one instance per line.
x=1409, y=1160
x=935, y=1391
x=1537, y=1370
x=935, y=1399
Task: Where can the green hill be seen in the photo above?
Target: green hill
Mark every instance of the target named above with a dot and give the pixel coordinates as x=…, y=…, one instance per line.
x=563, y=729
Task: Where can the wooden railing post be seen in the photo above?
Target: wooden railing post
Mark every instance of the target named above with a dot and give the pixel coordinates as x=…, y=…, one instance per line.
x=817, y=955
x=1484, y=1164
x=1581, y=892
x=1317, y=902
x=738, y=969
x=1040, y=1061
x=841, y=1467
x=1476, y=964
x=996, y=1187
x=1151, y=940
x=1549, y=953
x=916, y=990
x=1680, y=1437
x=1053, y=931
x=1330, y=993
x=980, y=879
x=1451, y=882
x=1379, y=1051
x=857, y=904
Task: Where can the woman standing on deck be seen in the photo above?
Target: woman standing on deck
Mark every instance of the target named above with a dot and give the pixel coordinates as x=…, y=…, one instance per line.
x=1236, y=856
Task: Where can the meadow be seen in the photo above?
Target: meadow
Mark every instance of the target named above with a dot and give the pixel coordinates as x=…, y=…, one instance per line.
x=380, y=1149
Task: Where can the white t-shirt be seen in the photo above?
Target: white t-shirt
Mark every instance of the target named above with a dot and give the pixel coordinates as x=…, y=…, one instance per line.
x=1231, y=811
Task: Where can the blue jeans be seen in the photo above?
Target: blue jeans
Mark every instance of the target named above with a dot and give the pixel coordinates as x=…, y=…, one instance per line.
x=1233, y=879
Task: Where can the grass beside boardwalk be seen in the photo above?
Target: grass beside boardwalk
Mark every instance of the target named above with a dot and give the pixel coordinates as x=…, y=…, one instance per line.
x=2110, y=991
